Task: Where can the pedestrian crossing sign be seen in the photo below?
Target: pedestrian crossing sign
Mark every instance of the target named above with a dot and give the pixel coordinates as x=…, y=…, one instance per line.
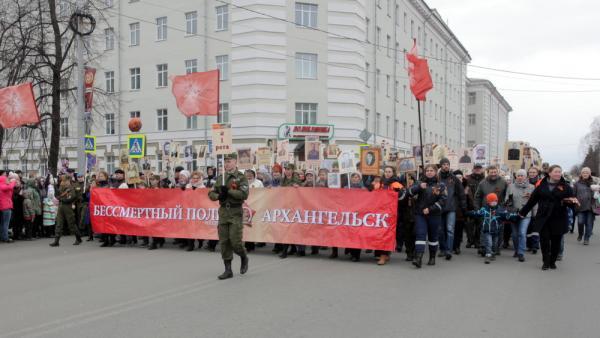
x=136, y=145
x=89, y=144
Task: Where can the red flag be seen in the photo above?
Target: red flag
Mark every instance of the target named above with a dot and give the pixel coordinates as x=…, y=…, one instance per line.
x=197, y=93
x=418, y=72
x=17, y=106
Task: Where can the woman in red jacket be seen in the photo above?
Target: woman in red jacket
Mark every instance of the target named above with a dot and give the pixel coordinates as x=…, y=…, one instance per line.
x=6, y=204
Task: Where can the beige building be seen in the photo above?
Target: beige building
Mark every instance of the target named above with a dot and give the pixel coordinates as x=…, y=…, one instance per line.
x=487, y=117
x=337, y=62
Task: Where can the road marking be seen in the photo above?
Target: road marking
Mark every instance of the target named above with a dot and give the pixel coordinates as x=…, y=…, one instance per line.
x=137, y=303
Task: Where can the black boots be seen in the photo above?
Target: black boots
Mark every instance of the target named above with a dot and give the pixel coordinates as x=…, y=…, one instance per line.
x=431, y=258
x=418, y=261
x=228, y=273
x=77, y=240
x=244, y=266
x=56, y=242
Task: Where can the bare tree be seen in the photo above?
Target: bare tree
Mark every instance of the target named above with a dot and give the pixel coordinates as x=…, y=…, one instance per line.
x=36, y=44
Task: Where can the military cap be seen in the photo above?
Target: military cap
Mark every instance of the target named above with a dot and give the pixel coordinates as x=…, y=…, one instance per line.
x=231, y=156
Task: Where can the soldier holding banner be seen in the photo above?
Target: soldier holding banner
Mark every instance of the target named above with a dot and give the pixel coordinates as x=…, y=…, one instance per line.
x=231, y=190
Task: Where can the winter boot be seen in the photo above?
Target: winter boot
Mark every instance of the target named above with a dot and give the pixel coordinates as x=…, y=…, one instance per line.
x=431, y=258
x=228, y=273
x=244, y=266
x=77, y=240
x=56, y=242
x=418, y=261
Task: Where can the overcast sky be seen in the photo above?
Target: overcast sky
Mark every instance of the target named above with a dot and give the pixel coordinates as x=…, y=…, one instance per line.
x=535, y=36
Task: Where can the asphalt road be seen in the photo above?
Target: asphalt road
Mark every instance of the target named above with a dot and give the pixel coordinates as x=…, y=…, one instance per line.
x=88, y=291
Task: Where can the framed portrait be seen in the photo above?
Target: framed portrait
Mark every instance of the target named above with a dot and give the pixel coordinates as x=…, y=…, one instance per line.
x=370, y=159
x=311, y=151
x=333, y=180
x=407, y=164
x=244, y=158
x=332, y=151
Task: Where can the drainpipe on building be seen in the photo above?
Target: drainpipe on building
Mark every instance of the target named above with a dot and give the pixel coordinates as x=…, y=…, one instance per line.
x=395, y=75
x=375, y=130
x=205, y=69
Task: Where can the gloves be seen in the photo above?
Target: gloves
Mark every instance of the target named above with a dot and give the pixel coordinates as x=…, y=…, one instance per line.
x=223, y=193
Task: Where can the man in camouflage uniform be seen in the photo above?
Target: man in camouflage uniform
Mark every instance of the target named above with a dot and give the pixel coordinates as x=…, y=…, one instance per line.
x=231, y=192
x=66, y=211
x=291, y=179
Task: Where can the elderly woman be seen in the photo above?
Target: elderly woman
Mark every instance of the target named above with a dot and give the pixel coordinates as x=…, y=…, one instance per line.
x=553, y=196
x=585, y=215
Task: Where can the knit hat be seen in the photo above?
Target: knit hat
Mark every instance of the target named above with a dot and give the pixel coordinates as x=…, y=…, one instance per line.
x=491, y=198
x=185, y=173
x=522, y=172
x=277, y=168
x=444, y=161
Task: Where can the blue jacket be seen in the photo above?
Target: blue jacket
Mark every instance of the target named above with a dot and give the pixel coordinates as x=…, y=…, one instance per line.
x=492, y=218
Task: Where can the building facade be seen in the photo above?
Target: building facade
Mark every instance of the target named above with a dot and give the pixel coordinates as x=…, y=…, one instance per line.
x=337, y=62
x=487, y=117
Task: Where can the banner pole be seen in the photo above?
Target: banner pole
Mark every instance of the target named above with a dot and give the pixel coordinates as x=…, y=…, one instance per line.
x=420, y=139
x=223, y=164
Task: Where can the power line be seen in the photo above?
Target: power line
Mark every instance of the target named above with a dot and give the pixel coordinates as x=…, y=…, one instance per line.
x=405, y=52
x=549, y=91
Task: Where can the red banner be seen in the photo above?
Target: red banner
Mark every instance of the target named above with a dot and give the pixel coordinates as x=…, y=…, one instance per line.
x=90, y=74
x=310, y=216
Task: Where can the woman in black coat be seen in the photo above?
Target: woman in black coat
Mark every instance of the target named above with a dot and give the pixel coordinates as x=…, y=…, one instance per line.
x=553, y=196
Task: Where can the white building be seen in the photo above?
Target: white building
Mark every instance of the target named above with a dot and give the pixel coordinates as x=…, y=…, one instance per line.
x=337, y=62
x=487, y=117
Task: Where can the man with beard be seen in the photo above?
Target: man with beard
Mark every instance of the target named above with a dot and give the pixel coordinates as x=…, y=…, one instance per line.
x=492, y=184
x=472, y=224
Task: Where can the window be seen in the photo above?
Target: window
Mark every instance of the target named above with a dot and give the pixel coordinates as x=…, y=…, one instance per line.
x=306, y=15
x=397, y=53
x=470, y=144
x=191, y=23
x=377, y=73
x=110, y=123
x=388, y=8
x=110, y=81
x=412, y=134
x=412, y=29
x=387, y=126
x=387, y=85
x=110, y=164
x=367, y=119
x=404, y=57
x=404, y=131
x=64, y=127
x=24, y=133
x=418, y=35
x=161, y=28
x=368, y=24
x=378, y=123
x=191, y=66
x=397, y=15
x=396, y=91
x=162, y=73
x=367, y=74
x=306, y=66
x=472, y=119
x=222, y=17
x=223, y=116
x=163, y=119
x=223, y=66
x=134, y=34
x=134, y=114
x=378, y=37
x=306, y=113
x=405, y=21
x=109, y=39
x=135, y=78
x=387, y=46
x=64, y=88
x=472, y=97
x=404, y=94
x=396, y=124
x=191, y=122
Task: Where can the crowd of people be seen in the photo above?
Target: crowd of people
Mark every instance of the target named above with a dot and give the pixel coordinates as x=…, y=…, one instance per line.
x=527, y=211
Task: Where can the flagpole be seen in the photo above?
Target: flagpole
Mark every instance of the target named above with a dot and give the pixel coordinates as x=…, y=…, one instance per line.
x=420, y=138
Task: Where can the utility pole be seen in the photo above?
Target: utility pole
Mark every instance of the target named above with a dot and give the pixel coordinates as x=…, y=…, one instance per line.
x=80, y=114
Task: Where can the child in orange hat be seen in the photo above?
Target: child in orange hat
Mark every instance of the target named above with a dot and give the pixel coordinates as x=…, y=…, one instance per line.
x=492, y=215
